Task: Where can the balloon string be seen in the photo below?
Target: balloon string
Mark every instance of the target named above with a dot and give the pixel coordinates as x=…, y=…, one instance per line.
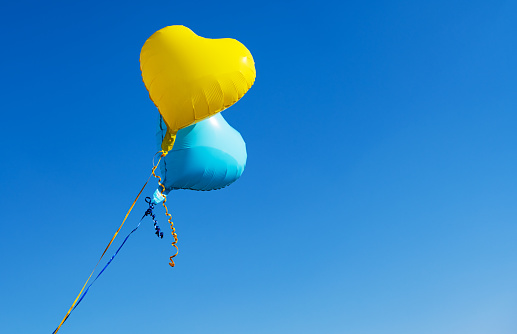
x=173, y=232
x=109, y=244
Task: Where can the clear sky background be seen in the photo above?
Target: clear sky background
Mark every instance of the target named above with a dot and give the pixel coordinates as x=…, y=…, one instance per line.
x=379, y=194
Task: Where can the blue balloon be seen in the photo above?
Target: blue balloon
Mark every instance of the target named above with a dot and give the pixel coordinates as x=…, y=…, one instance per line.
x=206, y=156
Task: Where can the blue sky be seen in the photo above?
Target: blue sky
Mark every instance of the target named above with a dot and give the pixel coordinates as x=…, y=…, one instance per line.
x=378, y=197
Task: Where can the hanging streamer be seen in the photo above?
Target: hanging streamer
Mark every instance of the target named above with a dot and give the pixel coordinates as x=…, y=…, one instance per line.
x=174, y=235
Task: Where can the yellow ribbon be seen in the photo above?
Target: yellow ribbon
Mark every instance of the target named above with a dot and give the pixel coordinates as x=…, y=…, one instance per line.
x=113, y=238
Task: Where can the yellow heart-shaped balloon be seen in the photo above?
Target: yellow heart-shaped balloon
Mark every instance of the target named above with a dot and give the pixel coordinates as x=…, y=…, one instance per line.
x=190, y=78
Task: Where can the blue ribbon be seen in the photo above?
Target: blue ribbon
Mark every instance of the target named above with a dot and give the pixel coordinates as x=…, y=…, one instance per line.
x=149, y=212
x=106, y=266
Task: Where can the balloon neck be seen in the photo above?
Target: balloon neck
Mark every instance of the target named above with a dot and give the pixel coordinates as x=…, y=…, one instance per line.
x=168, y=141
x=158, y=197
